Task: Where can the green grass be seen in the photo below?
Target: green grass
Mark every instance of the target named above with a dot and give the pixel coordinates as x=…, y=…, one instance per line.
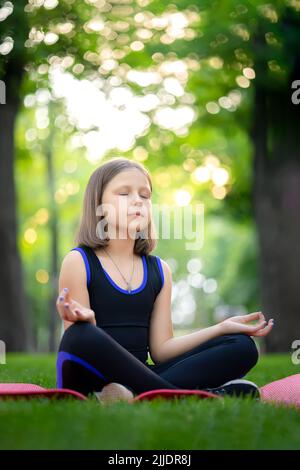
x=187, y=423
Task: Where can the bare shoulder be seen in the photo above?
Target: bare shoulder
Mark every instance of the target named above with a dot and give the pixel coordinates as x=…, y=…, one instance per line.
x=166, y=270
x=73, y=258
x=165, y=265
x=72, y=266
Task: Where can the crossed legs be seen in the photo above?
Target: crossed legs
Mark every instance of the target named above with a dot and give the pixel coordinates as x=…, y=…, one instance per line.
x=89, y=359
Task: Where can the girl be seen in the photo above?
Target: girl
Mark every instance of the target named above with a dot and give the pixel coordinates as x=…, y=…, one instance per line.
x=115, y=303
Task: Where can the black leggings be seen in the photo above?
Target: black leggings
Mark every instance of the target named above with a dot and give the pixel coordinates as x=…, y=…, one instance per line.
x=89, y=358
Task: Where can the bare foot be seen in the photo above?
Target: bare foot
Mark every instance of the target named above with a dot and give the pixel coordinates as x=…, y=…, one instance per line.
x=114, y=392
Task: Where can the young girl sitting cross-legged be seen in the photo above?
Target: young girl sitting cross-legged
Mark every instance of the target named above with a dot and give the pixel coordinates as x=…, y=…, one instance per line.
x=115, y=303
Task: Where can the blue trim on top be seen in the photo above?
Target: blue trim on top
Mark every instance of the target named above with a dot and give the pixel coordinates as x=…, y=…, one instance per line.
x=64, y=356
x=160, y=269
x=124, y=291
x=86, y=262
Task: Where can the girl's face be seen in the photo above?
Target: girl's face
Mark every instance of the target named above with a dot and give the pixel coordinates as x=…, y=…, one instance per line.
x=127, y=194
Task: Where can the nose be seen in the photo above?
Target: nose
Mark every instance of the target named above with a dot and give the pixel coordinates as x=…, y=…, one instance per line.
x=138, y=200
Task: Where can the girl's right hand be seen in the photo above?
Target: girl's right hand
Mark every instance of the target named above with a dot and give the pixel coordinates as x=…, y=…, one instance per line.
x=71, y=310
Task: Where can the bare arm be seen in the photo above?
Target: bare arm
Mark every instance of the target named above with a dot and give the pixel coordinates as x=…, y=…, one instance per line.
x=237, y=324
x=163, y=344
x=178, y=345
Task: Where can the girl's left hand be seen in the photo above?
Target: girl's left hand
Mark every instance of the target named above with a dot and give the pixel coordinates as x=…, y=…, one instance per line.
x=238, y=324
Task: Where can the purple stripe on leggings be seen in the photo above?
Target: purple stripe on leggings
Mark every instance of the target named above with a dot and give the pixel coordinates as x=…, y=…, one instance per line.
x=62, y=357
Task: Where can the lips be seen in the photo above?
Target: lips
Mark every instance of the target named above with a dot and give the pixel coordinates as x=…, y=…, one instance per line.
x=137, y=213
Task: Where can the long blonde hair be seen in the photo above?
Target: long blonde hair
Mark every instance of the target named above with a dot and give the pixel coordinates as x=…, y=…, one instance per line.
x=86, y=233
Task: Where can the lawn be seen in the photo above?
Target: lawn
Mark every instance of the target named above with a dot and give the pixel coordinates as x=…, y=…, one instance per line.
x=187, y=423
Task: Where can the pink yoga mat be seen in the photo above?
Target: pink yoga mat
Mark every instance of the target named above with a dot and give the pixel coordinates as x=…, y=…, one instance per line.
x=25, y=390
x=14, y=390
x=284, y=391
x=171, y=394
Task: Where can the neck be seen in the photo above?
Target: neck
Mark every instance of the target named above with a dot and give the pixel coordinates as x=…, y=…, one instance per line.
x=121, y=249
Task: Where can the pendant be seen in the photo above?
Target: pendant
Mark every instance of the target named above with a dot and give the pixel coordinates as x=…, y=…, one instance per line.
x=129, y=287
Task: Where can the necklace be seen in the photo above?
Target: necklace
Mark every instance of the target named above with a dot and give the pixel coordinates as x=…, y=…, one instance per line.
x=129, y=287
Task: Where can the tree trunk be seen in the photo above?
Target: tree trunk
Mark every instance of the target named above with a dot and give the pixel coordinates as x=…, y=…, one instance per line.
x=53, y=255
x=15, y=329
x=277, y=210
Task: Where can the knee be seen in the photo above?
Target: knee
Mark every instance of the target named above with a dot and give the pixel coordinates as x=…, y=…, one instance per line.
x=78, y=327
x=78, y=335
x=247, y=349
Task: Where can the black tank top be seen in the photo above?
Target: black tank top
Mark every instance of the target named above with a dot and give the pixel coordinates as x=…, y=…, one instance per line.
x=123, y=315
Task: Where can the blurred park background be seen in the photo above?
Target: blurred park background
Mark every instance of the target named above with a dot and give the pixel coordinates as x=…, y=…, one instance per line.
x=204, y=94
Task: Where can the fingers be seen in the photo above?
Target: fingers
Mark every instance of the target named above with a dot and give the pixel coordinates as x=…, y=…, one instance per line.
x=81, y=315
x=69, y=312
x=64, y=296
x=79, y=312
x=70, y=309
x=258, y=326
x=254, y=316
x=264, y=331
x=64, y=303
x=261, y=316
x=67, y=296
x=85, y=315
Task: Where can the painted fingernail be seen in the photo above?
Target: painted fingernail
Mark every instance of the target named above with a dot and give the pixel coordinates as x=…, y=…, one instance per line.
x=65, y=289
x=67, y=305
x=61, y=298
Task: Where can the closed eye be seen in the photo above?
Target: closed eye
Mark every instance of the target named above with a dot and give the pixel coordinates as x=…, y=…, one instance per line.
x=126, y=194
